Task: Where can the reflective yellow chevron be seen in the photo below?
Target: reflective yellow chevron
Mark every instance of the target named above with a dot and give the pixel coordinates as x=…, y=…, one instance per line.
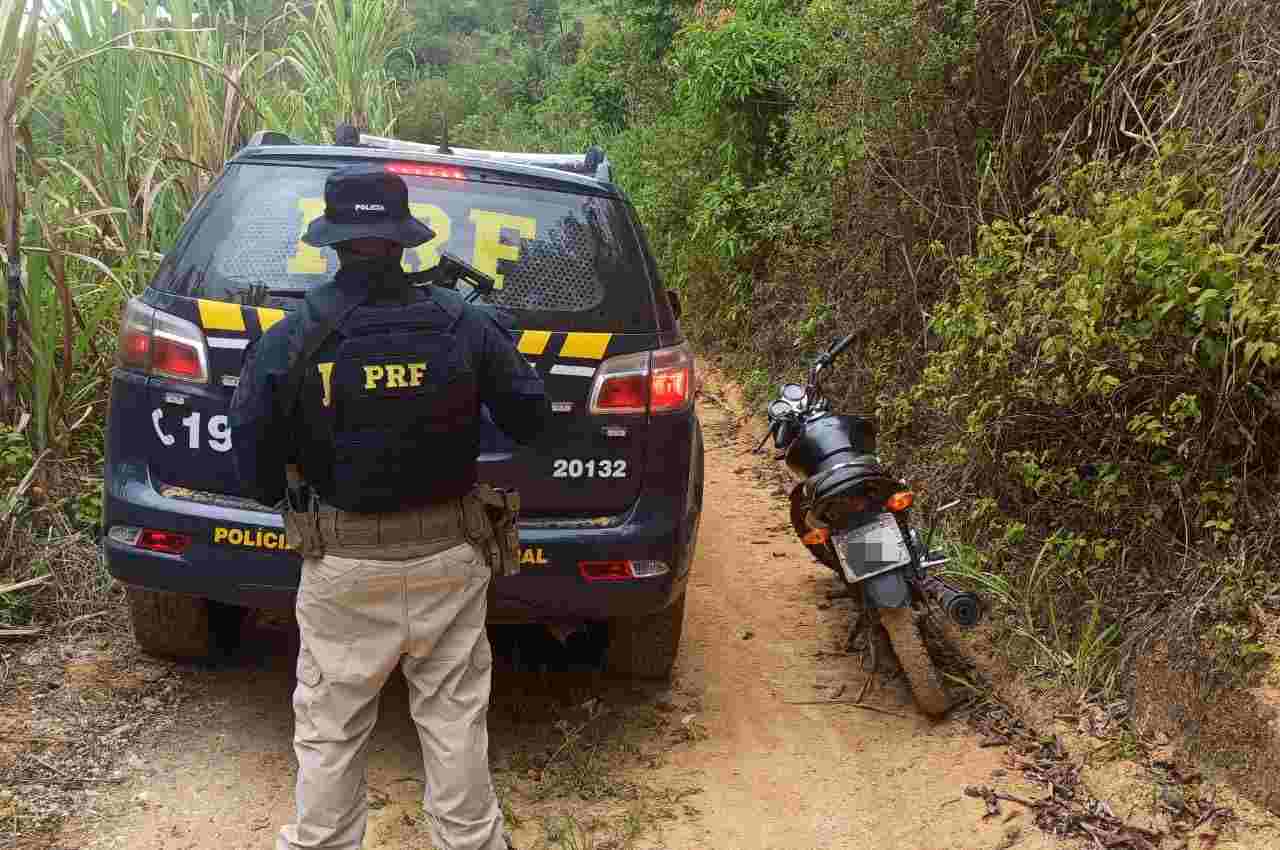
x=587, y=346
x=268, y=316
x=221, y=316
x=533, y=342
x=226, y=316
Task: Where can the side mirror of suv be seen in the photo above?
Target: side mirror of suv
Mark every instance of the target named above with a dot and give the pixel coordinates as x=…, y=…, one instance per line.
x=674, y=298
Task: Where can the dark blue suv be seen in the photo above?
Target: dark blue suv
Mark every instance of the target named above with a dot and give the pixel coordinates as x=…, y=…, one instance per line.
x=611, y=511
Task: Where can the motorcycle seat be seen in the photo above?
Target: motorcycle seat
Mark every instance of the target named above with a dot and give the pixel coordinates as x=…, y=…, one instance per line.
x=857, y=471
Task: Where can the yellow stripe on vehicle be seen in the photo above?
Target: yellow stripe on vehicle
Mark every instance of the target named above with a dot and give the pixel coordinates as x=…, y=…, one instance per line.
x=221, y=316
x=533, y=342
x=268, y=316
x=587, y=346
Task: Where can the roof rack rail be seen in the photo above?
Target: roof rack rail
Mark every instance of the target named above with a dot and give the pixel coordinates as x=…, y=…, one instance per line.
x=593, y=163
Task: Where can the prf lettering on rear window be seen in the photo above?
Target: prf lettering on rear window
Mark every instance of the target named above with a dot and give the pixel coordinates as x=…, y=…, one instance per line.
x=489, y=244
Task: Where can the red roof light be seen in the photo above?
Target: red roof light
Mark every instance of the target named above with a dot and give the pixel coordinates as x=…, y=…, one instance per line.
x=417, y=169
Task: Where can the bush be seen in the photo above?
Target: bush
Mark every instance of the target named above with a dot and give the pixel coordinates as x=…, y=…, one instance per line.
x=1105, y=388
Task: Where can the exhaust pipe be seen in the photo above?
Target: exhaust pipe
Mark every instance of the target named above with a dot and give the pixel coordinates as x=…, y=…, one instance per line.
x=964, y=608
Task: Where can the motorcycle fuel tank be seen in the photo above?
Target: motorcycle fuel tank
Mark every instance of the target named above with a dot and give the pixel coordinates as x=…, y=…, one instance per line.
x=829, y=440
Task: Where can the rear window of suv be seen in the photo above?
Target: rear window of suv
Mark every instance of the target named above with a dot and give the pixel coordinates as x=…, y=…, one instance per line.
x=562, y=260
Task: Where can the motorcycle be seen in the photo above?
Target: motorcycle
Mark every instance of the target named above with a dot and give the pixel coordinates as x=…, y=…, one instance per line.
x=855, y=518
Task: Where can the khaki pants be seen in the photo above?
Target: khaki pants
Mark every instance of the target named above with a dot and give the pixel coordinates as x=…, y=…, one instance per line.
x=421, y=606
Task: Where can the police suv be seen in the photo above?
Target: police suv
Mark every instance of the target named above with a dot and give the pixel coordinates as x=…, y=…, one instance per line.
x=611, y=506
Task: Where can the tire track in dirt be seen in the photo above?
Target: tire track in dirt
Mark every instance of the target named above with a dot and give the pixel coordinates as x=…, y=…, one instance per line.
x=759, y=635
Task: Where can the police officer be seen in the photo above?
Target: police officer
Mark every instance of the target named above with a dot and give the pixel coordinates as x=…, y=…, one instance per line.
x=359, y=414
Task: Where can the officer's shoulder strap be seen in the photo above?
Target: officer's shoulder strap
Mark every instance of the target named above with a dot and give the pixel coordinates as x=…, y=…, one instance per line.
x=321, y=313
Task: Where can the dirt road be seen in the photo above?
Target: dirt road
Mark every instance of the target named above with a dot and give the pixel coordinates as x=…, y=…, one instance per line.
x=720, y=759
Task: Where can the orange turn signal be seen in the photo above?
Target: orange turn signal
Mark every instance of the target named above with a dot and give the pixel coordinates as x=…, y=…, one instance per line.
x=817, y=536
x=899, y=502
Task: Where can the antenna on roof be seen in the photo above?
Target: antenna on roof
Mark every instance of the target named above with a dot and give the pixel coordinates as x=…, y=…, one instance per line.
x=444, y=134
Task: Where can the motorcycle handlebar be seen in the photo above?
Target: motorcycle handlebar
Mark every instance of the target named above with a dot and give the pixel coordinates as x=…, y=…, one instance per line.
x=828, y=357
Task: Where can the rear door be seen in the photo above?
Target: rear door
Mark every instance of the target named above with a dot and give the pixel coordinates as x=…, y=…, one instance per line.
x=568, y=268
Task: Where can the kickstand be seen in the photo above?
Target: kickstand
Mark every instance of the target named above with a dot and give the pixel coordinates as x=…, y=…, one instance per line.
x=862, y=640
x=853, y=644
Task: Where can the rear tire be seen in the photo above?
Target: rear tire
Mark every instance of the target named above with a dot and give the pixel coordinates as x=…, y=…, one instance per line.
x=922, y=675
x=646, y=647
x=170, y=625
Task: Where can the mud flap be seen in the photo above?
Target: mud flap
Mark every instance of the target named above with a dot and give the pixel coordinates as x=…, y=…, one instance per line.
x=888, y=590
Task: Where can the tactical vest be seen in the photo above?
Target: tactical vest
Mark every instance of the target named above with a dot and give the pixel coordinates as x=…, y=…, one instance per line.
x=405, y=427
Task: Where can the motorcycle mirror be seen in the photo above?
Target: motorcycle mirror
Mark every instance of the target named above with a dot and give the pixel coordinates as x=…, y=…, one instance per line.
x=840, y=345
x=782, y=436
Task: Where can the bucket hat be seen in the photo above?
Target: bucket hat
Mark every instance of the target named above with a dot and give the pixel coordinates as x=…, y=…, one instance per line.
x=366, y=201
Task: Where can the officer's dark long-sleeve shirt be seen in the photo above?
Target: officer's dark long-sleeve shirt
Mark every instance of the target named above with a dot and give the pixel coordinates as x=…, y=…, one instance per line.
x=266, y=437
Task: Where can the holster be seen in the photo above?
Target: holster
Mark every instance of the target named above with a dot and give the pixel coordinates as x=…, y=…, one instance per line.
x=490, y=517
x=302, y=516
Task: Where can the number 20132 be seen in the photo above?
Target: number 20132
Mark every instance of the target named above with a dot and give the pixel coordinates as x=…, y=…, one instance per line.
x=577, y=468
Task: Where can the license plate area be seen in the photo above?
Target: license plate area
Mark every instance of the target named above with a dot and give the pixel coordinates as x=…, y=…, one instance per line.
x=872, y=548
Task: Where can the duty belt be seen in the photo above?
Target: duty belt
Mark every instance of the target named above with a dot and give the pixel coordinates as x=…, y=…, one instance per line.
x=341, y=529
x=486, y=517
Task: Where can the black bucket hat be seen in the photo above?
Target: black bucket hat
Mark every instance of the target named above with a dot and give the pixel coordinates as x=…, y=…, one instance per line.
x=364, y=202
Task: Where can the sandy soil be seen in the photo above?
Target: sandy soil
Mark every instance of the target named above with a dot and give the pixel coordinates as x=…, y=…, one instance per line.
x=721, y=758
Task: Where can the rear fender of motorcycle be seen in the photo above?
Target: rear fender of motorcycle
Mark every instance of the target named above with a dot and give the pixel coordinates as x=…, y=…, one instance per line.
x=799, y=511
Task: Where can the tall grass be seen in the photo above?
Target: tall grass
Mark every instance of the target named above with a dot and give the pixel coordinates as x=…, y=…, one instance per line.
x=17, y=55
x=334, y=50
x=150, y=99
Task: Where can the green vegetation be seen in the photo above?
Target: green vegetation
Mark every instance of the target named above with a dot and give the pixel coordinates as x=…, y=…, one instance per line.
x=1052, y=226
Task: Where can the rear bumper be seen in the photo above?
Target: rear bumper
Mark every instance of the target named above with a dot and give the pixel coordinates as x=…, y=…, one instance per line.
x=234, y=554
x=246, y=571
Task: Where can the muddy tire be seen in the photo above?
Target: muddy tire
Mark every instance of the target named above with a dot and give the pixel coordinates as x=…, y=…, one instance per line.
x=646, y=647
x=170, y=625
x=922, y=675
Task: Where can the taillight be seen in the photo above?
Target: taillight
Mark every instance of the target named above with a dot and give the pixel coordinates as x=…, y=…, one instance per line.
x=649, y=382
x=167, y=542
x=158, y=343
x=622, y=385
x=621, y=570
x=672, y=379
x=134, y=350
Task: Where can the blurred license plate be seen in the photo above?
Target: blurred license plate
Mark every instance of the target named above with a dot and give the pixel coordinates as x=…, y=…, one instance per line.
x=876, y=545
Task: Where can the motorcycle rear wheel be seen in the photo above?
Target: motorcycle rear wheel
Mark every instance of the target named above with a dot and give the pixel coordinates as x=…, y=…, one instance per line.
x=922, y=675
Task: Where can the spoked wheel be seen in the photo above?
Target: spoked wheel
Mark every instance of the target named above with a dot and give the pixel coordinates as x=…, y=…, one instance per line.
x=922, y=675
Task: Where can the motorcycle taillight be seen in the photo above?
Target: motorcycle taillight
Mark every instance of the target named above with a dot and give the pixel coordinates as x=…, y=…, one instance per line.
x=835, y=512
